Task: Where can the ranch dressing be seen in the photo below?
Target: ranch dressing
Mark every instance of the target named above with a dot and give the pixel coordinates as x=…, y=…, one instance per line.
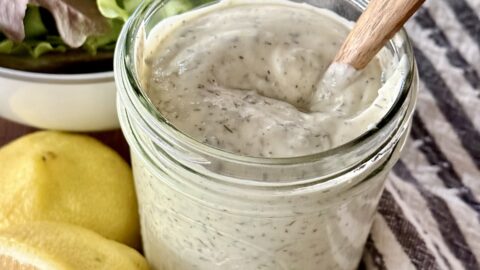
x=241, y=76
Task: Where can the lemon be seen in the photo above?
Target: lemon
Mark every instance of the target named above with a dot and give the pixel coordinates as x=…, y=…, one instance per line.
x=53, y=176
x=61, y=246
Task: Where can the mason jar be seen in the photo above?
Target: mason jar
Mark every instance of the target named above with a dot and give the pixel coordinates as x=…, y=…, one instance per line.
x=207, y=209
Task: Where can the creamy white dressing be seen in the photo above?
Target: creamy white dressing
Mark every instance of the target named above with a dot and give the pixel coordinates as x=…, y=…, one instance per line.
x=241, y=76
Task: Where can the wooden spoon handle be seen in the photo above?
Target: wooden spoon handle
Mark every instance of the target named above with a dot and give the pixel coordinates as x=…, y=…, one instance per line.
x=380, y=21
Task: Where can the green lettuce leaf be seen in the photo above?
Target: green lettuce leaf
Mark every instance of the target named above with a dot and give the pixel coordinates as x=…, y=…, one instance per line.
x=113, y=10
x=38, y=39
x=174, y=7
x=105, y=42
x=43, y=47
x=6, y=46
x=110, y=9
x=32, y=47
x=76, y=20
x=34, y=26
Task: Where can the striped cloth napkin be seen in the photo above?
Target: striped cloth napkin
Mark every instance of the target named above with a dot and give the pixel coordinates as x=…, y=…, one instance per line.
x=429, y=214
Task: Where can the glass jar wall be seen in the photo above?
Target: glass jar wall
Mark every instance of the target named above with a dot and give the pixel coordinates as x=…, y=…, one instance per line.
x=204, y=208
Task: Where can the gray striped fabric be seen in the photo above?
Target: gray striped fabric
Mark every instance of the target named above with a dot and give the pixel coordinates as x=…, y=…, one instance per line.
x=429, y=215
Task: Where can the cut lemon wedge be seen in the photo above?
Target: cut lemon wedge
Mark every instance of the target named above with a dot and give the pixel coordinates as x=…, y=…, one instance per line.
x=60, y=246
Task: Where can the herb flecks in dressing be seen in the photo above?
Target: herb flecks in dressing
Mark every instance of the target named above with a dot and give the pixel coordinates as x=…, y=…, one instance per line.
x=241, y=77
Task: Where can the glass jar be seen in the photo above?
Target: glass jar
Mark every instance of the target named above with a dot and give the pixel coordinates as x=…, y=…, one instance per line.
x=207, y=209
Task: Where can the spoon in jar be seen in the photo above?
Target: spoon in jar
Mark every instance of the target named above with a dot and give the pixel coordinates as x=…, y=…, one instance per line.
x=380, y=21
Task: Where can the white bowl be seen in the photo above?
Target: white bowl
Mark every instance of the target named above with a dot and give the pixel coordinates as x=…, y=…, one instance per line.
x=79, y=102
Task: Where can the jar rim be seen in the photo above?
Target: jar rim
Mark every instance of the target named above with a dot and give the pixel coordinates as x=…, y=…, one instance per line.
x=157, y=122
